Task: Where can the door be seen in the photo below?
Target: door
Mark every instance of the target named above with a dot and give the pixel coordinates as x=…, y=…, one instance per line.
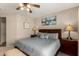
x=2, y=31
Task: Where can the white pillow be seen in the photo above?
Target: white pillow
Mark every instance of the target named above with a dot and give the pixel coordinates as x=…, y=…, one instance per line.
x=53, y=35
x=48, y=35
x=44, y=36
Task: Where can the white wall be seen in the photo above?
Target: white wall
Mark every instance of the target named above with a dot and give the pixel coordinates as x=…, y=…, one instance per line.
x=21, y=31
x=64, y=18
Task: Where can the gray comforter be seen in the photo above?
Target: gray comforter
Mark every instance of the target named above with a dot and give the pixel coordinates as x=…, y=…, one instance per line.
x=38, y=47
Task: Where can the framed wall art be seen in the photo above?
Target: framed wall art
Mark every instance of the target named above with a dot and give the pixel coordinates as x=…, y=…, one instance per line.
x=49, y=20
x=26, y=25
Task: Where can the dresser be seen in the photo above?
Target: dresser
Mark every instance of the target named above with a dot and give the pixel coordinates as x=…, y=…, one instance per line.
x=69, y=47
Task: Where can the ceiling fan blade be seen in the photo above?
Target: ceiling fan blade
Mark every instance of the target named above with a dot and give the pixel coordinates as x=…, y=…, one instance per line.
x=25, y=4
x=30, y=11
x=18, y=8
x=35, y=5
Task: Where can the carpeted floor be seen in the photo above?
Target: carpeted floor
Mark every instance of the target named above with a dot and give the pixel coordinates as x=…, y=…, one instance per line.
x=62, y=54
x=4, y=49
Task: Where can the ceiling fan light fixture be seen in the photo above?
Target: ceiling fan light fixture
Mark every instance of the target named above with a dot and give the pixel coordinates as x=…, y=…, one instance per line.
x=28, y=5
x=28, y=9
x=22, y=8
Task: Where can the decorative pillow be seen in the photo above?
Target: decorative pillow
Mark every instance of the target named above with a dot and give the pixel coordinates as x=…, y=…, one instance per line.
x=53, y=35
x=48, y=35
x=43, y=35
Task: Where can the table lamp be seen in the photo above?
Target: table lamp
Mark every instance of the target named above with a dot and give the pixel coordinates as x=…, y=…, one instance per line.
x=69, y=29
x=34, y=29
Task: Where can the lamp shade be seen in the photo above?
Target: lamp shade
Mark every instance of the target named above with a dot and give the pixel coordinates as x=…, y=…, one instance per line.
x=69, y=28
x=34, y=28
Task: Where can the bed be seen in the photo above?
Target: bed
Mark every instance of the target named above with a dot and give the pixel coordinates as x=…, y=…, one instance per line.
x=40, y=47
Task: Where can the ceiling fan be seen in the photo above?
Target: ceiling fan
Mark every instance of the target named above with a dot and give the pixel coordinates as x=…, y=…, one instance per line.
x=27, y=6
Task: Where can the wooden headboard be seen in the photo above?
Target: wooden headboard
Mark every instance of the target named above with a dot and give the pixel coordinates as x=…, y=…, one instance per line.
x=52, y=31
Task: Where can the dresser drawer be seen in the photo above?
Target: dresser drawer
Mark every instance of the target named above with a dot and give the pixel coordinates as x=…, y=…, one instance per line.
x=69, y=47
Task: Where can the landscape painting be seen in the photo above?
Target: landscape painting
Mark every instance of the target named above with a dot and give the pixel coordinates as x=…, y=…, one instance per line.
x=49, y=20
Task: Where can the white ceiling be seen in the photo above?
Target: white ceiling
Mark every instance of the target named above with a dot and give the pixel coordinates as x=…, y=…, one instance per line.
x=45, y=8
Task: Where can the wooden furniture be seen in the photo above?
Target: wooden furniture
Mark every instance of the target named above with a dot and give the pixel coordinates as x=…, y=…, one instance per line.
x=33, y=36
x=69, y=47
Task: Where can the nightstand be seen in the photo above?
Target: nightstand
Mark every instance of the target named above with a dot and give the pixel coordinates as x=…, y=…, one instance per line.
x=69, y=47
x=33, y=35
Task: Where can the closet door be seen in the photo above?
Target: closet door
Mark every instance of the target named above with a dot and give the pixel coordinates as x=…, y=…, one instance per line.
x=2, y=31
